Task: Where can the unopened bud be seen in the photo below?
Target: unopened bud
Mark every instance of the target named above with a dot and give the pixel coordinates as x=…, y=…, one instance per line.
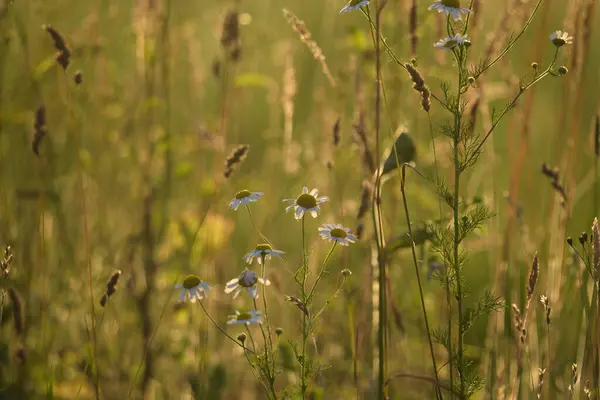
x=562, y=70
x=241, y=337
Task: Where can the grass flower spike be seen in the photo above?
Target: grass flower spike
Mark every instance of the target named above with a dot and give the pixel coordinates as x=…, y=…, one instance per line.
x=450, y=42
x=249, y=317
x=247, y=280
x=449, y=7
x=560, y=38
x=337, y=233
x=354, y=5
x=306, y=202
x=192, y=287
x=244, y=197
x=260, y=251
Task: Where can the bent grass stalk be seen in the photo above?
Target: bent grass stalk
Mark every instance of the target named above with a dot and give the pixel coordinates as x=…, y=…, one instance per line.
x=418, y=275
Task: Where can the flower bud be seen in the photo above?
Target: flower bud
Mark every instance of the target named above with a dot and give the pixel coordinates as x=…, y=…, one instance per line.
x=562, y=70
x=570, y=241
x=346, y=272
x=534, y=65
x=241, y=337
x=279, y=331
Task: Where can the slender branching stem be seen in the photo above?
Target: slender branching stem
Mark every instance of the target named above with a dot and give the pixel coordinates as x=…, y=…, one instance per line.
x=321, y=273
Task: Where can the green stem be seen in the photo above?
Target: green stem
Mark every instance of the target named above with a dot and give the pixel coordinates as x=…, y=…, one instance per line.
x=456, y=238
x=321, y=272
x=422, y=297
x=303, y=361
x=223, y=331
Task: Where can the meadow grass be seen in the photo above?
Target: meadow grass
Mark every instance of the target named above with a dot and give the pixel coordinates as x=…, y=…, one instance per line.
x=470, y=177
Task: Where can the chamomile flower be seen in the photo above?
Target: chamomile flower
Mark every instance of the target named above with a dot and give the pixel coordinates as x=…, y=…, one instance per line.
x=560, y=38
x=247, y=280
x=450, y=42
x=244, y=197
x=337, y=233
x=192, y=287
x=449, y=7
x=354, y=5
x=246, y=317
x=260, y=251
x=306, y=202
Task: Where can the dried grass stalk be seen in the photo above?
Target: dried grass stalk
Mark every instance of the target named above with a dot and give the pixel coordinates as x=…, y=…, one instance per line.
x=305, y=36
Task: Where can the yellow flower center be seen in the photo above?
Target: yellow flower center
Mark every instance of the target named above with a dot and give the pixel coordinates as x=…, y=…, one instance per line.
x=451, y=3
x=306, y=200
x=244, y=316
x=243, y=194
x=191, y=281
x=339, y=233
x=263, y=247
x=450, y=43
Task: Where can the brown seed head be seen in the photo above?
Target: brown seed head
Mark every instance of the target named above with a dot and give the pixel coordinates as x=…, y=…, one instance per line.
x=235, y=158
x=533, y=276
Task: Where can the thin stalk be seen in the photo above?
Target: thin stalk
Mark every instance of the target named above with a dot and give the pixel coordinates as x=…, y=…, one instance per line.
x=455, y=205
x=422, y=297
x=446, y=275
x=2, y=295
x=376, y=209
x=86, y=240
x=285, y=265
x=139, y=368
x=223, y=331
x=269, y=333
x=303, y=382
x=321, y=272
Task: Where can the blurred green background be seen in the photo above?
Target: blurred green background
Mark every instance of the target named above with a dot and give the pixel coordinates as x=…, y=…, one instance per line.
x=130, y=177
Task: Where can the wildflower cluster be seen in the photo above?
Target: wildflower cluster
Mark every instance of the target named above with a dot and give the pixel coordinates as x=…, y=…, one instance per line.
x=263, y=358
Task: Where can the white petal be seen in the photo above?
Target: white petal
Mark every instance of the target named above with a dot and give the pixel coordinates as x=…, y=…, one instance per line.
x=299, y=212
x=314, y=192
x=237, y=292
x=288, y=208
x=182, y=295
x=314, y=212
x=265, y=282
x=289, y=200
x=304, y=190
x=322, y=199
x=252, y=291
x=178, y=286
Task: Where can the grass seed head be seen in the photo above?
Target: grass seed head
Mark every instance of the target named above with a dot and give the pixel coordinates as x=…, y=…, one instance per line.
x=533, y=276
x=40, y=129
x=234, y=159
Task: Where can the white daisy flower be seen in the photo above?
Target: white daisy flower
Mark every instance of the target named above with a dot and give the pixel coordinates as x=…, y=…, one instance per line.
x=354, y=5
x=450, y=42
x=449, y=7
x=248, y=317
x=560, y=38
x=337, y=233
x=306, y=202
x=192, y=287
x=260, y=251
x=247, y=280
x=244, y=197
